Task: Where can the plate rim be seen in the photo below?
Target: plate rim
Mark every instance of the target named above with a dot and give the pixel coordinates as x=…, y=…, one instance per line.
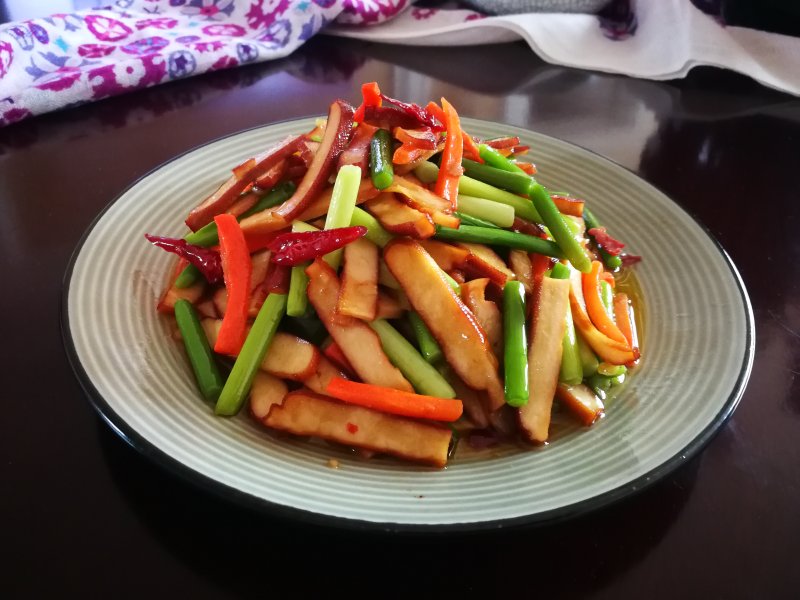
x=275, y=510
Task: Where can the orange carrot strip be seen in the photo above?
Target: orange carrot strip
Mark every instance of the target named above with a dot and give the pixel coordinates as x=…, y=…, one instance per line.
x=623, y=313
x=594, y=304
x=450, y=169
x=395, y=402
x=236, y=268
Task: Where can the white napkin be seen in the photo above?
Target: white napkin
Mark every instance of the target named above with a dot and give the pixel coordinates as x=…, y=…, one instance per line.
x=673, y=36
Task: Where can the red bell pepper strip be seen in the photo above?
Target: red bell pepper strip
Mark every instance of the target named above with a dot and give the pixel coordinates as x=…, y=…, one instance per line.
x=237, y=269
x=395, y=402
x=205, y=259
x=371, y=94
x=450, y=170
x=291, y=249
x=506, y=142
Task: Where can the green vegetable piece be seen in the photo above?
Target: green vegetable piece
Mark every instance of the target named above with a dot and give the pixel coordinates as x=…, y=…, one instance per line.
x=518, y=183
x=559, y=271
x=559, y=229
x=375, y=231
x=516, y=345
x=494, y=159
x=380, y=159
x=297, y=302
x=253, y=350
x=501, y=215
x=589, y=362
x=340, y=210
x=188, y=276
x=609, y=260
x=422, y=375
x=499, y=237
x=428, y=346
x=470, y=220
x=600, y=384
x=607, y=298
x=571, y=366
x=610, y=370
x=523, y=208
x=386, y=278
x=453, y=283
x=206, y=373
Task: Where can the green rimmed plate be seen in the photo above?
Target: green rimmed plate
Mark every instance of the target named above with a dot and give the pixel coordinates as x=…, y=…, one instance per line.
x=697, y=359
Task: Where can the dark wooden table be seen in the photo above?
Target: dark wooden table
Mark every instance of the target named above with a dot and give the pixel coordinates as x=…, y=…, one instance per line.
x=83, y=513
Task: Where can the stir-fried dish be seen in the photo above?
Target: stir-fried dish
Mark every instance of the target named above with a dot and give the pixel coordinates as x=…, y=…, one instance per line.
x=388, y=282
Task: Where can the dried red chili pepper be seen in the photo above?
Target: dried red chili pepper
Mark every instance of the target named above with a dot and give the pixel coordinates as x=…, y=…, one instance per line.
x=205, y=259
x=294, y=248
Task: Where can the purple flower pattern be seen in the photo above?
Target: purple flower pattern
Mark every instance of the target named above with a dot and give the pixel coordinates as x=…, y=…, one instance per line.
x=72, y=58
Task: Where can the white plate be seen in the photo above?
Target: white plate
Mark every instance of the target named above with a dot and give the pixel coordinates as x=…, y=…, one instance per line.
x=697, y=359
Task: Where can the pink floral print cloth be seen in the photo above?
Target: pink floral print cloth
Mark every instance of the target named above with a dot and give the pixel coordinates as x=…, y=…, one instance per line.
x=73, y=58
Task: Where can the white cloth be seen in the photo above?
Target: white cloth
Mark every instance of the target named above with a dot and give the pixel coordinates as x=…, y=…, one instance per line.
x=673, y=36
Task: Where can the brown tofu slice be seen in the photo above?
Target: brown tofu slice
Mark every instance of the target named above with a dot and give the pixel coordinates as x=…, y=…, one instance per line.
x=463, y=340
x=306, y=414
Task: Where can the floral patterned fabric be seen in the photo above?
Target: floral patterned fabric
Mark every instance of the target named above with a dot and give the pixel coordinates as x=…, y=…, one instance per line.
x=72, y=58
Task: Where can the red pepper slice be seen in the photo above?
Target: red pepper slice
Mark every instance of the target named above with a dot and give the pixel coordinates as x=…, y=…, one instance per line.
x=237, y=268
x=504, y=142
x=291, y=249
x=205, y=259
x=371, y=94
x=450, y=170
